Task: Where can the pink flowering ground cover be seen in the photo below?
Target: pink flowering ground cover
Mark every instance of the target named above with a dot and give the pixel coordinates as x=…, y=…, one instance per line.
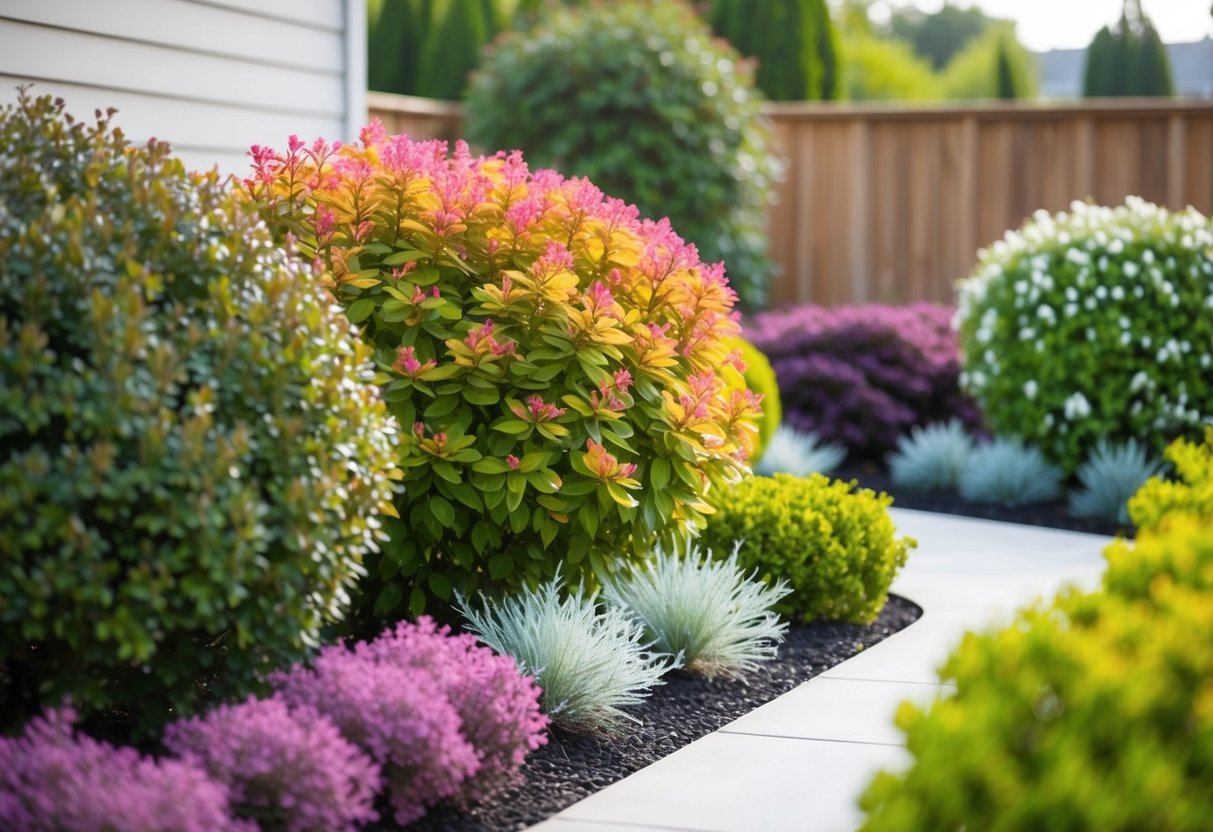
x=289, y=769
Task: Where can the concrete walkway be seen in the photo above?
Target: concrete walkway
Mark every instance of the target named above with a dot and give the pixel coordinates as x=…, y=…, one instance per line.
x=801, y=761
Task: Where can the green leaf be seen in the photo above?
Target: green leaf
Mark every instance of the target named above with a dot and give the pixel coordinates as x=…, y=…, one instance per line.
x=360, y=310
x=401, y=257
x=500, y=566
x=440, y=585
x=512, y=426
x=442, y=510
x=659, y=473
x=481, y=396
x=389, y=599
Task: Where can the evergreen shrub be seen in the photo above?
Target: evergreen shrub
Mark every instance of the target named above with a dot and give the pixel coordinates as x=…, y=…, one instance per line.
x=862, y=376
x=1093, y=324
x=555, y=359
x=835, y=545
x=192, y=458
x=640, y=98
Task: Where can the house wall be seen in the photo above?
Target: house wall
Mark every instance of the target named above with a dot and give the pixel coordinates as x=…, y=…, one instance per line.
x=211, y=76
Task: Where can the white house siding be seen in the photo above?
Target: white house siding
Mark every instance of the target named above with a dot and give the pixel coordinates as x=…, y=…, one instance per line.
x=211, y=76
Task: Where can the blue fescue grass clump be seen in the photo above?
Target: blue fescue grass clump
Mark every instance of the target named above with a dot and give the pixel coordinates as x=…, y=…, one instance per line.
x=799, y=453
x=1111, y=475
x=705, y=609
x=1010, y=473
x=931, y=458
x=589, y=660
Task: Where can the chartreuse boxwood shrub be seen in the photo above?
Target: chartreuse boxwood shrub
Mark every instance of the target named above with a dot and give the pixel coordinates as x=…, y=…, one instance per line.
x=1191, y=493
x=753, y=371
x=554, y=359
x=1092, y=713
x=287, y=769
x=54, y=779
x=640, y=98
x=591, y=661
x=704, y=609
x=192, y=458
x=1093, y=324
x=834, y=544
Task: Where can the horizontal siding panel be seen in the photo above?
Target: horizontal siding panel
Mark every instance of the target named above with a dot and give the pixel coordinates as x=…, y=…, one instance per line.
x=195, y=27
x=322, y=14
x=227, y=132
x=38, y=52
x=207, y=158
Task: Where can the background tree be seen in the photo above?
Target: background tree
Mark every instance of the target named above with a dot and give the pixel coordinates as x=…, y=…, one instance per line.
x=994, y=65
x=793, y=41
x=938, y=36
x=1128, y=59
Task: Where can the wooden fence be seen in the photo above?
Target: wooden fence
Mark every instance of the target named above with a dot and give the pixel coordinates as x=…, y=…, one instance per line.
x=883, y=204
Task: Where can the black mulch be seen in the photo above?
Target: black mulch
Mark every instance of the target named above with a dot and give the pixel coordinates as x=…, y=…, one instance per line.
x=684, y=709
x=1052, y=514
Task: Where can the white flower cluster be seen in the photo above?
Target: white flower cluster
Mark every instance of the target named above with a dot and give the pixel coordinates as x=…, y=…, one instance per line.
x=1090, y=322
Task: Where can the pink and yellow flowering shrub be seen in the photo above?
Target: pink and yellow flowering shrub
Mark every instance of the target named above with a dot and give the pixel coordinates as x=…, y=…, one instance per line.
x=554, y=358
x=55, y=780
x=288, y=769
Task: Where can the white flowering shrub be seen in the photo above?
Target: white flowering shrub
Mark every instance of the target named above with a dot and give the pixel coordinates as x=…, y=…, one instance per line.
x=1093, y=324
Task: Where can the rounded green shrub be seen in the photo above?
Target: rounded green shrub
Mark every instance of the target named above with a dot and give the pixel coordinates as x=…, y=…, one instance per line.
x=191, y=458
x=1093, y=324
x=758, y=377
x=834, y=544
x=641, y=99
x=556, y=359
x=1093, y=713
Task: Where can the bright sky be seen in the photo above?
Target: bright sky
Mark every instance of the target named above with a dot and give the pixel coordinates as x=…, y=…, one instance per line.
x=1069, y=24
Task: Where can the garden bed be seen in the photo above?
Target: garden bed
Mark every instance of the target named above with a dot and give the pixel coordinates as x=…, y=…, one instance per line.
x=682, y=710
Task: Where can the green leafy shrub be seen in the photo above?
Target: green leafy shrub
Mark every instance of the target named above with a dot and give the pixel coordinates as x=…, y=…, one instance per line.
x=191, y=458
x=881, y=69
x=1093, y=324
x=640, y=98
x=589, y=661
x=556, y=359
x=993, y=65
x=704, y=610
x=1192, y=493
x=759, y=378
x=1089, y=714
x=833, y=544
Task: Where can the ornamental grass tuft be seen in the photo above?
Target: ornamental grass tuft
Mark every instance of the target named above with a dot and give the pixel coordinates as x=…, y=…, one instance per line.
x=703, y=609
x=800, y=454
x=1008, y=472
x=1110, y=476
x=590, y=661
x=932, y=458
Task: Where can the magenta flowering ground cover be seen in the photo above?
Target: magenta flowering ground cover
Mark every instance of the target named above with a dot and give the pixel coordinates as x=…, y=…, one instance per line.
x=862, y=376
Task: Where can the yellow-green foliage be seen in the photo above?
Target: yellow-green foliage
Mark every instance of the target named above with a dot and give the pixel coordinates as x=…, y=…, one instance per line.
x=973, y=73
x=1094, y=713
x=881, y=69
x=833, y=543
x=758, y=377
x=1192, y=493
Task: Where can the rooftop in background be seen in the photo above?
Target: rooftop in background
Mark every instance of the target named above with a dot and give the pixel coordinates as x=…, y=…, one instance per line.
x=1192, y=63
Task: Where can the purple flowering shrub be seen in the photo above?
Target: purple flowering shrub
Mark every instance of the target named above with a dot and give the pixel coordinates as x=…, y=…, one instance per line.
x=53, y=780
x=862, y=376
x=400, y=717
x=289, y=769
x=497, y=706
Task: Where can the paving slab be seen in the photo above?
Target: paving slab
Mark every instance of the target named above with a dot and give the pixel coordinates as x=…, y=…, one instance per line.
x=801, y=761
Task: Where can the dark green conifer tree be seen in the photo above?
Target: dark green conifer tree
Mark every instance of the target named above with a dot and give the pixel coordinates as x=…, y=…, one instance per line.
x=1128, y=59
x=793, y=40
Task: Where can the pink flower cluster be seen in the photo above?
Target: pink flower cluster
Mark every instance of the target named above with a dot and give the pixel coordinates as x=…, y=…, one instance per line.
x=52, y=780
x=288, y=768
x=445, y=717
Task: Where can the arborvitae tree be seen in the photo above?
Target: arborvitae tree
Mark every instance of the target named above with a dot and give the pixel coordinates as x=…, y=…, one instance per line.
x=1006, y=77
x=793, y=41
x=452, y=50
x=1129, y=59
